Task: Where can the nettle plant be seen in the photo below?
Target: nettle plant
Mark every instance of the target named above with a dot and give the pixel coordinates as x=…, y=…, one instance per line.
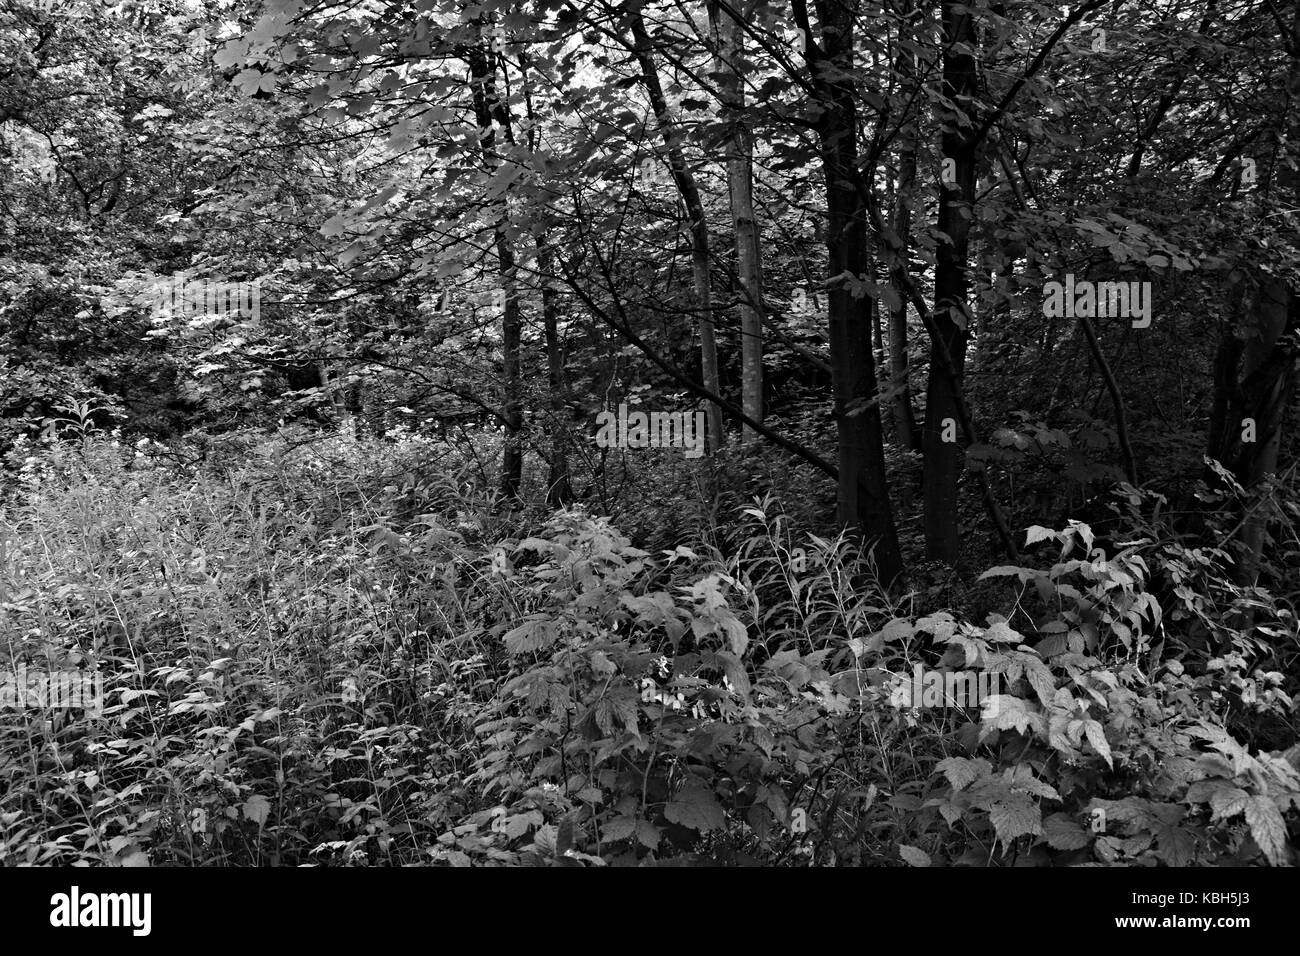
x=633, y=722
x=1101, y=750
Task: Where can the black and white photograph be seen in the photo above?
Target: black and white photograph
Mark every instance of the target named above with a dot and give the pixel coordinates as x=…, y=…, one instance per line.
x=622, y=434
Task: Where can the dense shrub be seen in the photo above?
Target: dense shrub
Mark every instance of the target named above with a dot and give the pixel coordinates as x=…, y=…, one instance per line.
x=339, y=651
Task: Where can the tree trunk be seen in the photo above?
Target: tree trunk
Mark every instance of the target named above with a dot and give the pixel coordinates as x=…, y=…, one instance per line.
x=862, y=498
x=559, y=489
x=699, y=227
x=949, y=333
x=487, y=108
x=729, y=45
x=909, y=436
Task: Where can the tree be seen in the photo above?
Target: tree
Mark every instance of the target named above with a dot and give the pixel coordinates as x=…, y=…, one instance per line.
x=863, y=490
x=728, y=42
x=951, y=317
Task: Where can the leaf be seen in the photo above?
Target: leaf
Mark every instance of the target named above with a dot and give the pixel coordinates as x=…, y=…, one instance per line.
x=1177, y=846
x=1022, y=778
x=735, y=673
x=540, y=545
x=564, y=837
x=1053, y=645
x=621, y=703
x=1268, y=828
x=899, y=629
x=1037, y=533
x=736, y=633
x=545, y=839
x=962, y=772
x=601, y=664
x=941, y=625
x=1063, y=833
x=647, y=834
x=1002, y=633
x=257, y=808
x=619, y=828
x=1097, y=737
x=696, y=808
x=1005, y=570
x=1228, y=801
x=1041, y=680
x=914, y=856
x=252, y=81
x=531, y=636
x=1016, y=816
x=1008, y=712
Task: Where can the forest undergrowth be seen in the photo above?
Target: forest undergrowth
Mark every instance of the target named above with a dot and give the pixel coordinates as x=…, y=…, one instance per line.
x=340, y=651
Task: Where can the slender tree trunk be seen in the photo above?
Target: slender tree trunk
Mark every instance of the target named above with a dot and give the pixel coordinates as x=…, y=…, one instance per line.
x=487, y=108
x=729, y=44
x=512, y=324
x=908, y=433
x=559, y=484
x=699, y=227
x=863, y=492
x=949, y=333
x=559, y=489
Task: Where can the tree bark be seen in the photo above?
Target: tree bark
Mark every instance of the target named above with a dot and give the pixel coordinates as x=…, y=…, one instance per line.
x=909, y=435
x=739, y=149
x=949, y=326
x=699, y=228
x=862, y=500
x=559, y=489
x=487, y=109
